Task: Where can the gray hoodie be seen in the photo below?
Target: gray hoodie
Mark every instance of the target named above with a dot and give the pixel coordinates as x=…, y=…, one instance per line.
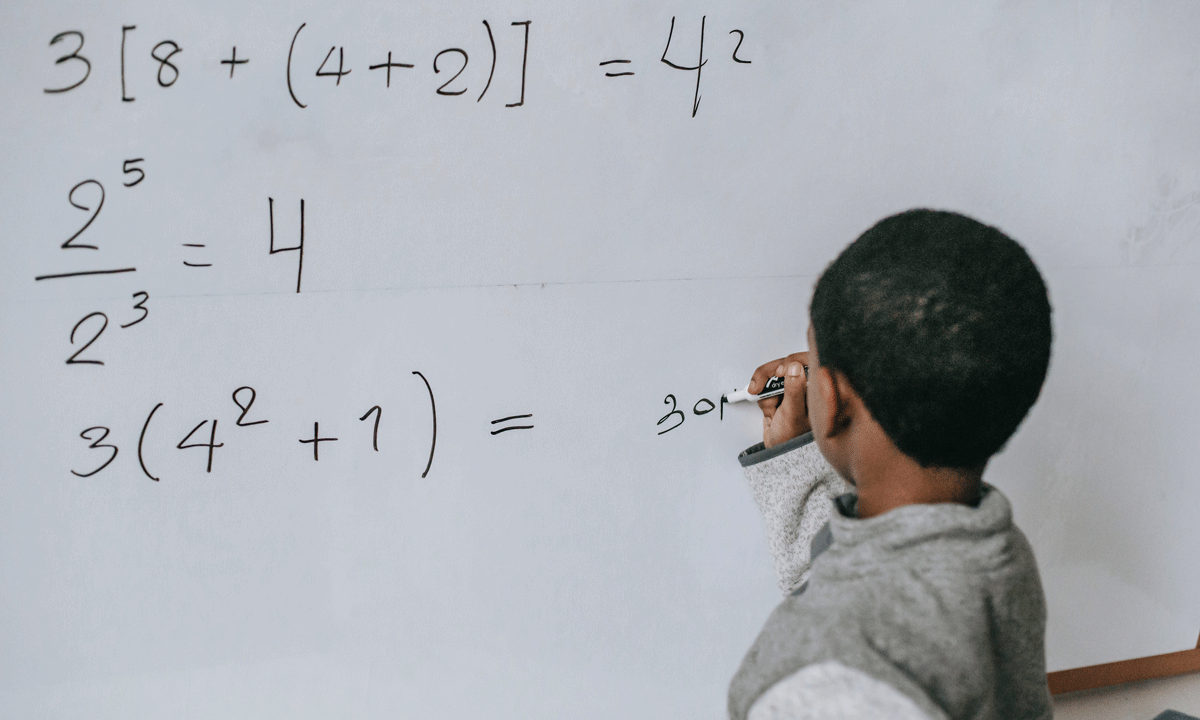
x=926, y=611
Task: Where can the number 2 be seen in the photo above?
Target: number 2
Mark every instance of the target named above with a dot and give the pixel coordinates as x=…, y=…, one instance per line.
x=71, y=199
x=71, y=360
x=442, y=90
x=741, y=37
x=245, y=408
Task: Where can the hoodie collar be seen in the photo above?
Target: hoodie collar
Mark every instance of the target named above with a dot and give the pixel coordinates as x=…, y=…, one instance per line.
x=911, y=524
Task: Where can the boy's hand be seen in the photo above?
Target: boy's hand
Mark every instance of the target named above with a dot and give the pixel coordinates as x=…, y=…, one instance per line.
x=784, y=417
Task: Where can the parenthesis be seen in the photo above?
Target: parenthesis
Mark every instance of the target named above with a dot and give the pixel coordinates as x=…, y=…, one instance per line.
x=142, y=438
x=492, y=72
x=433, y=408
x=289, y=67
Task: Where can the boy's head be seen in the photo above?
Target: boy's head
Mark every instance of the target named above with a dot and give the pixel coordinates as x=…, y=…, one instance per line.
x=941, y=325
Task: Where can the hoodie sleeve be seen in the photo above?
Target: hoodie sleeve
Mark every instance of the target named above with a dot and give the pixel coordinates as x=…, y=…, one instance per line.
x=794, y=488
x=832, y=691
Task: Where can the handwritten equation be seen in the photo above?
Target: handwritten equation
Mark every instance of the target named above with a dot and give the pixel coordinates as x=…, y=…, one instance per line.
x=447, y=88
x=93, y=324
x=447, y=65
x=91, y=191
x=163, y=64
x=245, y=396
x=207, y=438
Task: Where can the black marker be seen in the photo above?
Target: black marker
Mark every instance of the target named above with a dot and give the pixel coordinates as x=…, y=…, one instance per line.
x=773, y=388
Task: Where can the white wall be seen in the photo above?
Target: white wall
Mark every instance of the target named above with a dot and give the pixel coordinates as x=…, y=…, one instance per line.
x=1135, y=701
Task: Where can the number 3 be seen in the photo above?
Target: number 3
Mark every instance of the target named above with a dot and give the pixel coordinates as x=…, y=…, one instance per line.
x=96, y=445
x=141, y=305
x=670, y=400
x=73, y=56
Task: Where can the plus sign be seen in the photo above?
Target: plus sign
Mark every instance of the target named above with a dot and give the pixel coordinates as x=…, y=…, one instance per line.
x=317, y=440
x=389, y=65
x=233, y=62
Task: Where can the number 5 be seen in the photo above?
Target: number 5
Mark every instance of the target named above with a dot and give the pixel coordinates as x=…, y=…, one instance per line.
x=130, y=170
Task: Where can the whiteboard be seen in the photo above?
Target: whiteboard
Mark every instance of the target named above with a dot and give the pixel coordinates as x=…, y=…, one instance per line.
x=515, y=309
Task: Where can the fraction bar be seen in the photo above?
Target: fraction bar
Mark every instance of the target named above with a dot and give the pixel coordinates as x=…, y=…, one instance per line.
x=85, y=272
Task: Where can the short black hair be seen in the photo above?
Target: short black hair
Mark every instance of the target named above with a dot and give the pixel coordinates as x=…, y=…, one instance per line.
x=941, y=324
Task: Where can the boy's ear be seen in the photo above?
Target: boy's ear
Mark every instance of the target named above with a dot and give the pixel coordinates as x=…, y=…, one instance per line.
x=836, y=400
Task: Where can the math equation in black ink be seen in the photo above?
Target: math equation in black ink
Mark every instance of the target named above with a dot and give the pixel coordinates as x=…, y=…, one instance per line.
x=207, y=436
x=448, y=63
x=91, y=326
x=311, y=57
x=623, y=67
x=88, y=196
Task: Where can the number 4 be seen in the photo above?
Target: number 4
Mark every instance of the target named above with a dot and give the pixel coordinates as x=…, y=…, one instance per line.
x=211, y=444
x=341, y=58
x=699, y=63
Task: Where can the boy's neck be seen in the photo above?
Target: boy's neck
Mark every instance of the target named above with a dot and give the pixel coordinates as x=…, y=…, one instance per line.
x=887, y=479
x=940, y=485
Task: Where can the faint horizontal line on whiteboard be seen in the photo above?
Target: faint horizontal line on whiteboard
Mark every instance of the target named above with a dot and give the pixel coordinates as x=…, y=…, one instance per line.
x=481, y=286
x=1121, y=266
x=26, y=300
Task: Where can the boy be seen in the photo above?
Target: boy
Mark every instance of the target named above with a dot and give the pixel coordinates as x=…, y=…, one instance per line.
x=911, y=593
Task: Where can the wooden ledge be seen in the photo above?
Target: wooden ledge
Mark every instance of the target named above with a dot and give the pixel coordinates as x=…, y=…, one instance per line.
x=1117, y=673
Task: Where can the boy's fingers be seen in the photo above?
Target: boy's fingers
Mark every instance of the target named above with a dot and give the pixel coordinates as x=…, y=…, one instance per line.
x=786, y=416
x=764, y=372
x=773, y=368
x=769, y=406
x=800, y=357
x=794, y=408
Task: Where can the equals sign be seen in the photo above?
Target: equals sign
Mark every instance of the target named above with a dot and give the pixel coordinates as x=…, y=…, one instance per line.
x=618, y=62
x=512, y=427
x=195, y=245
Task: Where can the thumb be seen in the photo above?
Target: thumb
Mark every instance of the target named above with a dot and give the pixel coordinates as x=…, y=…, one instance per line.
x=794, y=408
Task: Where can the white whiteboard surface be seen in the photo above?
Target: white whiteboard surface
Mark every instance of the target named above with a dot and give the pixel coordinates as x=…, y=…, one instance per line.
x=575, y=258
